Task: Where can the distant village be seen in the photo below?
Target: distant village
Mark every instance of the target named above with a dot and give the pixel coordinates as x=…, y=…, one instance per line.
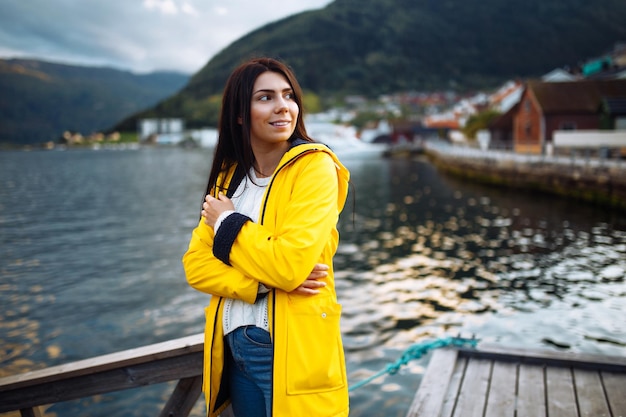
x=568, y=110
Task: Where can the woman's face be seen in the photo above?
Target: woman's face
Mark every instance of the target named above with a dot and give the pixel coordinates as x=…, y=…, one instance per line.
x=273, y=111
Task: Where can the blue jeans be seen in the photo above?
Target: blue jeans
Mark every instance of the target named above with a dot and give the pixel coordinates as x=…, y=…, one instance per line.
x=249, y=368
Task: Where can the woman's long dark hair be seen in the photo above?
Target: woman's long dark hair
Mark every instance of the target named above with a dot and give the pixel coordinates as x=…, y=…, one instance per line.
x=233, y=144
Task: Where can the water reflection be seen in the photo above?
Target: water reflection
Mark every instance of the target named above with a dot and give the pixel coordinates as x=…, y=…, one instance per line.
x=428, y=255
x=421, y=256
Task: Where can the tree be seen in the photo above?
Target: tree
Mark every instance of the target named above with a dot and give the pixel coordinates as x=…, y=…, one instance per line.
x=478, y=122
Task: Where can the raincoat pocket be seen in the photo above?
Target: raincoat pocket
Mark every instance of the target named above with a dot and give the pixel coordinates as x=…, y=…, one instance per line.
x=315, y=360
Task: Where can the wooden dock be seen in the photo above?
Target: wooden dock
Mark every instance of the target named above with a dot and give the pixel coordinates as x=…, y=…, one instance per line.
x=485, y=382
x=494, y=381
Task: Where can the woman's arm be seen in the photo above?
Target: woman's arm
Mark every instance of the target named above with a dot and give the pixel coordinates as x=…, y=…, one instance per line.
x=208, y=274
x=283, y=258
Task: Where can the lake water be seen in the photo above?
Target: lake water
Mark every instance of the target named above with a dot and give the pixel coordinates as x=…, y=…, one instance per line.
x=91, y=242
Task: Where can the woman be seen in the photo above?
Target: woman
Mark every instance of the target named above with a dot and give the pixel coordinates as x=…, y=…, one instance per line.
x=263, y=249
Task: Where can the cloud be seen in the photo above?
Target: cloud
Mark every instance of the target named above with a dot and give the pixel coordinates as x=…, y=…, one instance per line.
x=221, y=10
x=189, y=9
x=138, y=35
x=163, y=6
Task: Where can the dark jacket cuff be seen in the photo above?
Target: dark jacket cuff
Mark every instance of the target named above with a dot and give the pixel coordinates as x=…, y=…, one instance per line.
x=226, y=235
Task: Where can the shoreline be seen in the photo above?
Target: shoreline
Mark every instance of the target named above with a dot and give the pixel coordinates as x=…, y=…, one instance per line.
x=597, y=181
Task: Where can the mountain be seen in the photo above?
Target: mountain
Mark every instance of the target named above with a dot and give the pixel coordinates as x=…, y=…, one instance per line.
x=40, y=100
x=385, y=46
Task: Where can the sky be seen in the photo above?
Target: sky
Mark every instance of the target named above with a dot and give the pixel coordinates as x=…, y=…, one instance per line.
x=136, y=35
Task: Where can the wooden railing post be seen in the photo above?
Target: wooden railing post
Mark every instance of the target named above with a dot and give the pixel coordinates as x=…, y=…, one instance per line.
x=184, y=397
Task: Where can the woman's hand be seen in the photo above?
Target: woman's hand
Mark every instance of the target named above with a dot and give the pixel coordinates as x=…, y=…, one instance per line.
x=311, y=284
x=213, y=207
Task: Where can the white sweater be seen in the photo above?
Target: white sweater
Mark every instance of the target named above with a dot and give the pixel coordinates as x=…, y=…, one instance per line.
x=247, y=200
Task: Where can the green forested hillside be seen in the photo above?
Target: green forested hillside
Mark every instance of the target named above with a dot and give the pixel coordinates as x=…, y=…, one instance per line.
x=39, y=100
x=383, y=46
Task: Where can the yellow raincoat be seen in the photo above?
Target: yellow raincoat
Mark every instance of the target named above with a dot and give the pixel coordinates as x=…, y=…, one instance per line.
x=296, y=230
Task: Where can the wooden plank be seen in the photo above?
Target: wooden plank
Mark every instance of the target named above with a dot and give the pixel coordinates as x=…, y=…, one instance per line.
x=549, y=383
x=429, y=398
x=615, y=388
x=590, y=394
x=450, y=399
x=120, y=378
x=184, y=397
x=560, y=392
x=531, y=400
x=502, y=390
x=171, y=348
x=471, y=399
x=547, y=357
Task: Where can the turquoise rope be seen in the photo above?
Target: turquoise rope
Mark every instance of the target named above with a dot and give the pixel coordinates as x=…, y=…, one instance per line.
x=415, y=352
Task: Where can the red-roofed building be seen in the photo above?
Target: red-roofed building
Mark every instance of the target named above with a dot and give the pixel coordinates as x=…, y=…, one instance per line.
x=546, y=107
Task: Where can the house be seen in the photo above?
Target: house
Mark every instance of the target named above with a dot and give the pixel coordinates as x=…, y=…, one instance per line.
x=546, y=107
x=161, y=131
x=450, y=122
x=559, y=75
x=506, y=96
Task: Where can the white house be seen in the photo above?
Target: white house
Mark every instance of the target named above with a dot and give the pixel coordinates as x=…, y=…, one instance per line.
x=162, y=131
